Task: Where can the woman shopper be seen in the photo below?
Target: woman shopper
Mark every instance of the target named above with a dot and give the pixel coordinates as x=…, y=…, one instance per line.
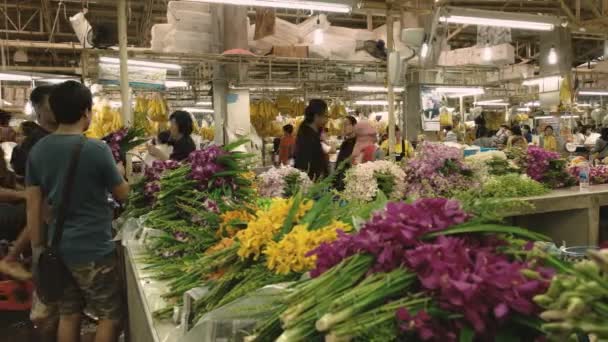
x=86, y=245
x=181, y=130
x=287, y=146
x=516, y=139
x=310, y=157
x=365, y=149
x=343, y=162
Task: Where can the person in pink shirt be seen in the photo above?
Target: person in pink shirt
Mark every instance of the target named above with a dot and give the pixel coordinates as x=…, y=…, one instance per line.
x=365, y=149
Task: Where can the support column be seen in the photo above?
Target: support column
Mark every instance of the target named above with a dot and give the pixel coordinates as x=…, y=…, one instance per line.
x=561, y=40
x=390, y=44
x=220, y=83
x=125, y=92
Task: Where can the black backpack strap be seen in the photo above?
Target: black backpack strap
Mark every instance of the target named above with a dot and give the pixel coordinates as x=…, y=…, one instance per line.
x=66, y=194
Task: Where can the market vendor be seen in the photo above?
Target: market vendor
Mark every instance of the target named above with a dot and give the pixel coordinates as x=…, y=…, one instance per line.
x=549, y=140
x=309, y=154
x=181, y=140
x=601, y=145
x=402, y=149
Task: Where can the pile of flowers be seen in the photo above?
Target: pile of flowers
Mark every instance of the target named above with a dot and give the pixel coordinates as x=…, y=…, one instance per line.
x=598, y=174
x=152, y=175
x=291, y=253
x=232, y=220
x=425, y=269
x=363, y=181
x=284, y=181
x=438, y=171
x=547, y=167
x=267, y=224
x=123, y=141
x=204, y=167
x=491, y=163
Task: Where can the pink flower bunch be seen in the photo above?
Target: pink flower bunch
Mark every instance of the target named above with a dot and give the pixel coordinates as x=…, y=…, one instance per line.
x=153, y=173
x=538, y=160
x=425, y=326
x=597, y=174
x=390, y=232
x=467, y=276
x=438, y=171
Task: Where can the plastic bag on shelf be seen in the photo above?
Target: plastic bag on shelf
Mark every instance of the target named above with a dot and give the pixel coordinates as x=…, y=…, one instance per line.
x=236, y=320
x=159, y=32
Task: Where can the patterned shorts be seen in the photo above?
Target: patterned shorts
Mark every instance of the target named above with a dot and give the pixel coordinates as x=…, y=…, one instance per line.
x=97, y=287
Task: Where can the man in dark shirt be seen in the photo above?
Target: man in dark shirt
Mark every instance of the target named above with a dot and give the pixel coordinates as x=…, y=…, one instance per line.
x=39, y=99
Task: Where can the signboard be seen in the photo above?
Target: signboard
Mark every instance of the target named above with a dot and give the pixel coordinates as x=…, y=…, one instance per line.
x=430, y=103
x=139, y=77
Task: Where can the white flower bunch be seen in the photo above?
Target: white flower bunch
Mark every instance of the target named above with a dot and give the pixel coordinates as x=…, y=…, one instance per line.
x=479, y=162
x=361, y=183
x=273, y=182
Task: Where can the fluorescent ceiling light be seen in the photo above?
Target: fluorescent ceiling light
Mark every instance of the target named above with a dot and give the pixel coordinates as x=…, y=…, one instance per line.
x=198, y=110
x=542, y=80
x=520, y=21
x=321, y=6
x=583, y=104
x=112, y=60
x=492, y=104
x=372, y=88
x=460, y=90
x=593, y=92
x=552, y=58
x=272, y=88
x=424, y=50
x=176, y=84
x=204, y=103
x=532, y=104
x=372, y=103
x=490, y=101
x=55, y=80
x=15, y=77
x=544, y=117
x=569, y=116
x=523, y=109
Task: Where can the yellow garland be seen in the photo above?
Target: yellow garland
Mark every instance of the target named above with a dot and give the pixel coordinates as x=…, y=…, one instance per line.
x=261, y=231
x=229, y=218
x=289, y=255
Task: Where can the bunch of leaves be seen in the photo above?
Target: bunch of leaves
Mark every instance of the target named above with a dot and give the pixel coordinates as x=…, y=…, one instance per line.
x=500, y=167
x=512, y=185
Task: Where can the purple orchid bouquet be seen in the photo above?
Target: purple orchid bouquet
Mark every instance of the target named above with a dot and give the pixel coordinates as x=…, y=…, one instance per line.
x=425, y=269
x=547, y=167
x=438, y=171
x=153, y=174
x=123, y=141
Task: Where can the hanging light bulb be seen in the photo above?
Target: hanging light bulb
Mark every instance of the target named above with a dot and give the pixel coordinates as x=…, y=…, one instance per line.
x=487, y=54
x=318, y=36
x=552, y=58
x=424, y=50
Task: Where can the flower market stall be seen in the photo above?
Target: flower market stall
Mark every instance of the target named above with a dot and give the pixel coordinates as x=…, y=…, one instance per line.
x=278, y=257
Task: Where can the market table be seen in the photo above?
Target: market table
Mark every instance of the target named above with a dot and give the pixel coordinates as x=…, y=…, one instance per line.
x=566, y=215
x=144, y=297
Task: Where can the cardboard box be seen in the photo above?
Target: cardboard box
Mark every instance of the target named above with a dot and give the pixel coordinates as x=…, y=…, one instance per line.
x=290, y=51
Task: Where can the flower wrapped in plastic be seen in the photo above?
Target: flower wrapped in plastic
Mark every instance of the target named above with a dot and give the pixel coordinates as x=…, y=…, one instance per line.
x=491, y=163
x=284, y=181
x=363, y=181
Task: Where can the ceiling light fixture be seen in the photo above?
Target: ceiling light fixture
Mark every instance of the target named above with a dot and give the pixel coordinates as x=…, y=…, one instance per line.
x=272, y=88
x=5, y=76
x=372, y=88
x=543, y=80
x=176, y=84
x=204, y=103
x=521, y=21
x=487, y=53
x=372, y=103
x=198, y=110
x=492, y=104
x=552, y=58
x=321, y=6
x=132, y=62
x=460, y=91
x=424, y=50
x=523, y=109
x=593, y=92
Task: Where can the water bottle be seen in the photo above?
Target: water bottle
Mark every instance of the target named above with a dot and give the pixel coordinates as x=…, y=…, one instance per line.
x=583, y=176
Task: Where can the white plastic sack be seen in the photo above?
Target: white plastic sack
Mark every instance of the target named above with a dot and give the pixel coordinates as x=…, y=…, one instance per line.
x=186, y=41
x=159, y=32
x=193, y=21
x=191, y=6
x=81, y=27
x=312, y=23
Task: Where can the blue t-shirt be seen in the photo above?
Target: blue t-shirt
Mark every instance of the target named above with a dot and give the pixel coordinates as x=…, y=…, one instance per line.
x=87, y=232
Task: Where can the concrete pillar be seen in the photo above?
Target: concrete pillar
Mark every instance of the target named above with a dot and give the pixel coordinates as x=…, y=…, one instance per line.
x=411, y=112
x=561, y=40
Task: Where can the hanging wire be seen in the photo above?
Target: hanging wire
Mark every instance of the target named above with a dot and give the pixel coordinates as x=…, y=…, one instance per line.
x=65, y=15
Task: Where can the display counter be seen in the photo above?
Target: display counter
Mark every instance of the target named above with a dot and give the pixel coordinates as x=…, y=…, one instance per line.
x=569, y=216
x=144, y=297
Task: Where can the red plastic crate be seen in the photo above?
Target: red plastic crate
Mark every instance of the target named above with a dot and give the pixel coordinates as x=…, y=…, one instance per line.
x=16, y=295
